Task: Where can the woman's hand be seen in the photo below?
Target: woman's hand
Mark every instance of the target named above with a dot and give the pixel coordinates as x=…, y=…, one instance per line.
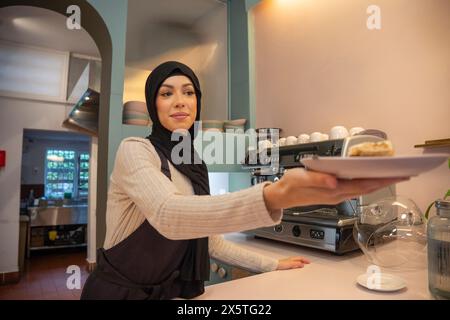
x=292, y=263
x=299, y=187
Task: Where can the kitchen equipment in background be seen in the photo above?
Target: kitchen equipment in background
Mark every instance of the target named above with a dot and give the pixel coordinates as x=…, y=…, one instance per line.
x=266, y=138
x=57, y=227
x=325, y=227
x=258, y=179
x=83, y=89
x=338, y=132
x=291, y=140
x=264, y=144
x=438, y=233
x=84, y=115
x=303, y=138
x=271, y=134
x=373, y=132
x=391, y=232
x=221, y=272
x=355, y=130
x=316, y=136
x=135, y=113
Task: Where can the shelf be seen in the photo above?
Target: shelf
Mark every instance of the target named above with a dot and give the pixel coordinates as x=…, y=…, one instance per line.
x=434, y=143
x=231, y=142
x=208, y=137
x=59, y=247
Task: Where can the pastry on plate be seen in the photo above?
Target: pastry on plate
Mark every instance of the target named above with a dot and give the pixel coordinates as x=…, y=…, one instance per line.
x=372, y=149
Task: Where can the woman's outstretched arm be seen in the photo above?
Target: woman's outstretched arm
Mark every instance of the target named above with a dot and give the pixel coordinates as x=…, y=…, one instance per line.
x=176, y=216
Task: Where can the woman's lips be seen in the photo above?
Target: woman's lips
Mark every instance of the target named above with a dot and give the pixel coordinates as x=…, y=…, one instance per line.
x=180, y=116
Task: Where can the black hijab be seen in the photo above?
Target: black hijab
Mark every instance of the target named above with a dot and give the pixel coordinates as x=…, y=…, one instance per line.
x=196, y=262
x=161, y=137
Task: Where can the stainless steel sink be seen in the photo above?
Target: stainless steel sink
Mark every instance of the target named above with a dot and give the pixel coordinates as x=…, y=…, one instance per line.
x=53, y=216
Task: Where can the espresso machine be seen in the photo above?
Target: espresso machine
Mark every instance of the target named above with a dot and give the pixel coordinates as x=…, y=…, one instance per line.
x=325, y=227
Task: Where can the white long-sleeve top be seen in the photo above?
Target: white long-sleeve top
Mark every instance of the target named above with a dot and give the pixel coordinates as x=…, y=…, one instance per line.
x=139, y=190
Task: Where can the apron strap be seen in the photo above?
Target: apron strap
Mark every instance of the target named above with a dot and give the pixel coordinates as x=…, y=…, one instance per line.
x=164, y=164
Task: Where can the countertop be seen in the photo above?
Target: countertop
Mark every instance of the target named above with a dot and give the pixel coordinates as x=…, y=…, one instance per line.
x=61, y=215
x=327, y=277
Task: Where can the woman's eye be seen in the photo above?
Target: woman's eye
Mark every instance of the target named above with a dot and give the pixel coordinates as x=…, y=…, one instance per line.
x=166, y=94
x=190, y=93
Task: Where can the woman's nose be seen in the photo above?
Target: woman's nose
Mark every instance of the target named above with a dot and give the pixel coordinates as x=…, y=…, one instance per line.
x=180, y=101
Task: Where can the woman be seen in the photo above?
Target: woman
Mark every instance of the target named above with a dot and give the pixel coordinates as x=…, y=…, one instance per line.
x=162, y=224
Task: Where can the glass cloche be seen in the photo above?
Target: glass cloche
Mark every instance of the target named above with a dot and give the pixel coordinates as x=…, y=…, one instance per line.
x=392, y=233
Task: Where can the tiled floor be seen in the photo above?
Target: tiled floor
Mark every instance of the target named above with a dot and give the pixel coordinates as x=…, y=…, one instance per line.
x=45, y=278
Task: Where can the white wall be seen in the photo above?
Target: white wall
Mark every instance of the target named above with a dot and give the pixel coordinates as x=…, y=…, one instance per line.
x=213, y=68
x=16, y=115
x=33, y=159
x=207, y=55
x=317, y=65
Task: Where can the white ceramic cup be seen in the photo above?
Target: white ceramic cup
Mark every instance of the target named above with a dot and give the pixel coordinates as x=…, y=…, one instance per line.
x=338, y=132
x=303, y=138
x=325, y=137
x=316, y=136
x=356, y=130
x=282, y=142
x=291, y=140
x=264, y=144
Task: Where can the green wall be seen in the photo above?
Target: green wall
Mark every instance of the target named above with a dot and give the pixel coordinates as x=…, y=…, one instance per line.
x=114, y=14
x=241, y=74
x=241, y=61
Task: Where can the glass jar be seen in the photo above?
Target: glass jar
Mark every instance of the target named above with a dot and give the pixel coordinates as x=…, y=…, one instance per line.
x=439, y=250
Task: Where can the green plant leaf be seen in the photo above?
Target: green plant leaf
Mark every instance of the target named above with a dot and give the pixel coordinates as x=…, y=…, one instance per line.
x=427, y=212
x=447, y=194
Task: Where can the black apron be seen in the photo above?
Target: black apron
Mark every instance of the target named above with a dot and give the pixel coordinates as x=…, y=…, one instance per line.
x=144, y=266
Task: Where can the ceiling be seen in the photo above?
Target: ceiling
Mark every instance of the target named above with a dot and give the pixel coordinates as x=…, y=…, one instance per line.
x=43, y=28
x=153, y=27
x=161, y=27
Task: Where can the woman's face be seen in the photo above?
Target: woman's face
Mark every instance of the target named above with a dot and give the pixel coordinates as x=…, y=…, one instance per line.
x=176, y=103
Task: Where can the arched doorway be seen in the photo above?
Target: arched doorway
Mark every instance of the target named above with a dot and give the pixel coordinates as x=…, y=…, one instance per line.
x=93, y=23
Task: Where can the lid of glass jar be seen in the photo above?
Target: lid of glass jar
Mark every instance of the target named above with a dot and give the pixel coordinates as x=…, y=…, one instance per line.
x=442, y=204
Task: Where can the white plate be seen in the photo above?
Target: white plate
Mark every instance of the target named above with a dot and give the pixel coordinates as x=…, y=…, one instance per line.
x=381, y=282
x=375, y=167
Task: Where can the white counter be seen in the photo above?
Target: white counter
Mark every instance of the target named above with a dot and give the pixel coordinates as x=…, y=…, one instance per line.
x=327, y=277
